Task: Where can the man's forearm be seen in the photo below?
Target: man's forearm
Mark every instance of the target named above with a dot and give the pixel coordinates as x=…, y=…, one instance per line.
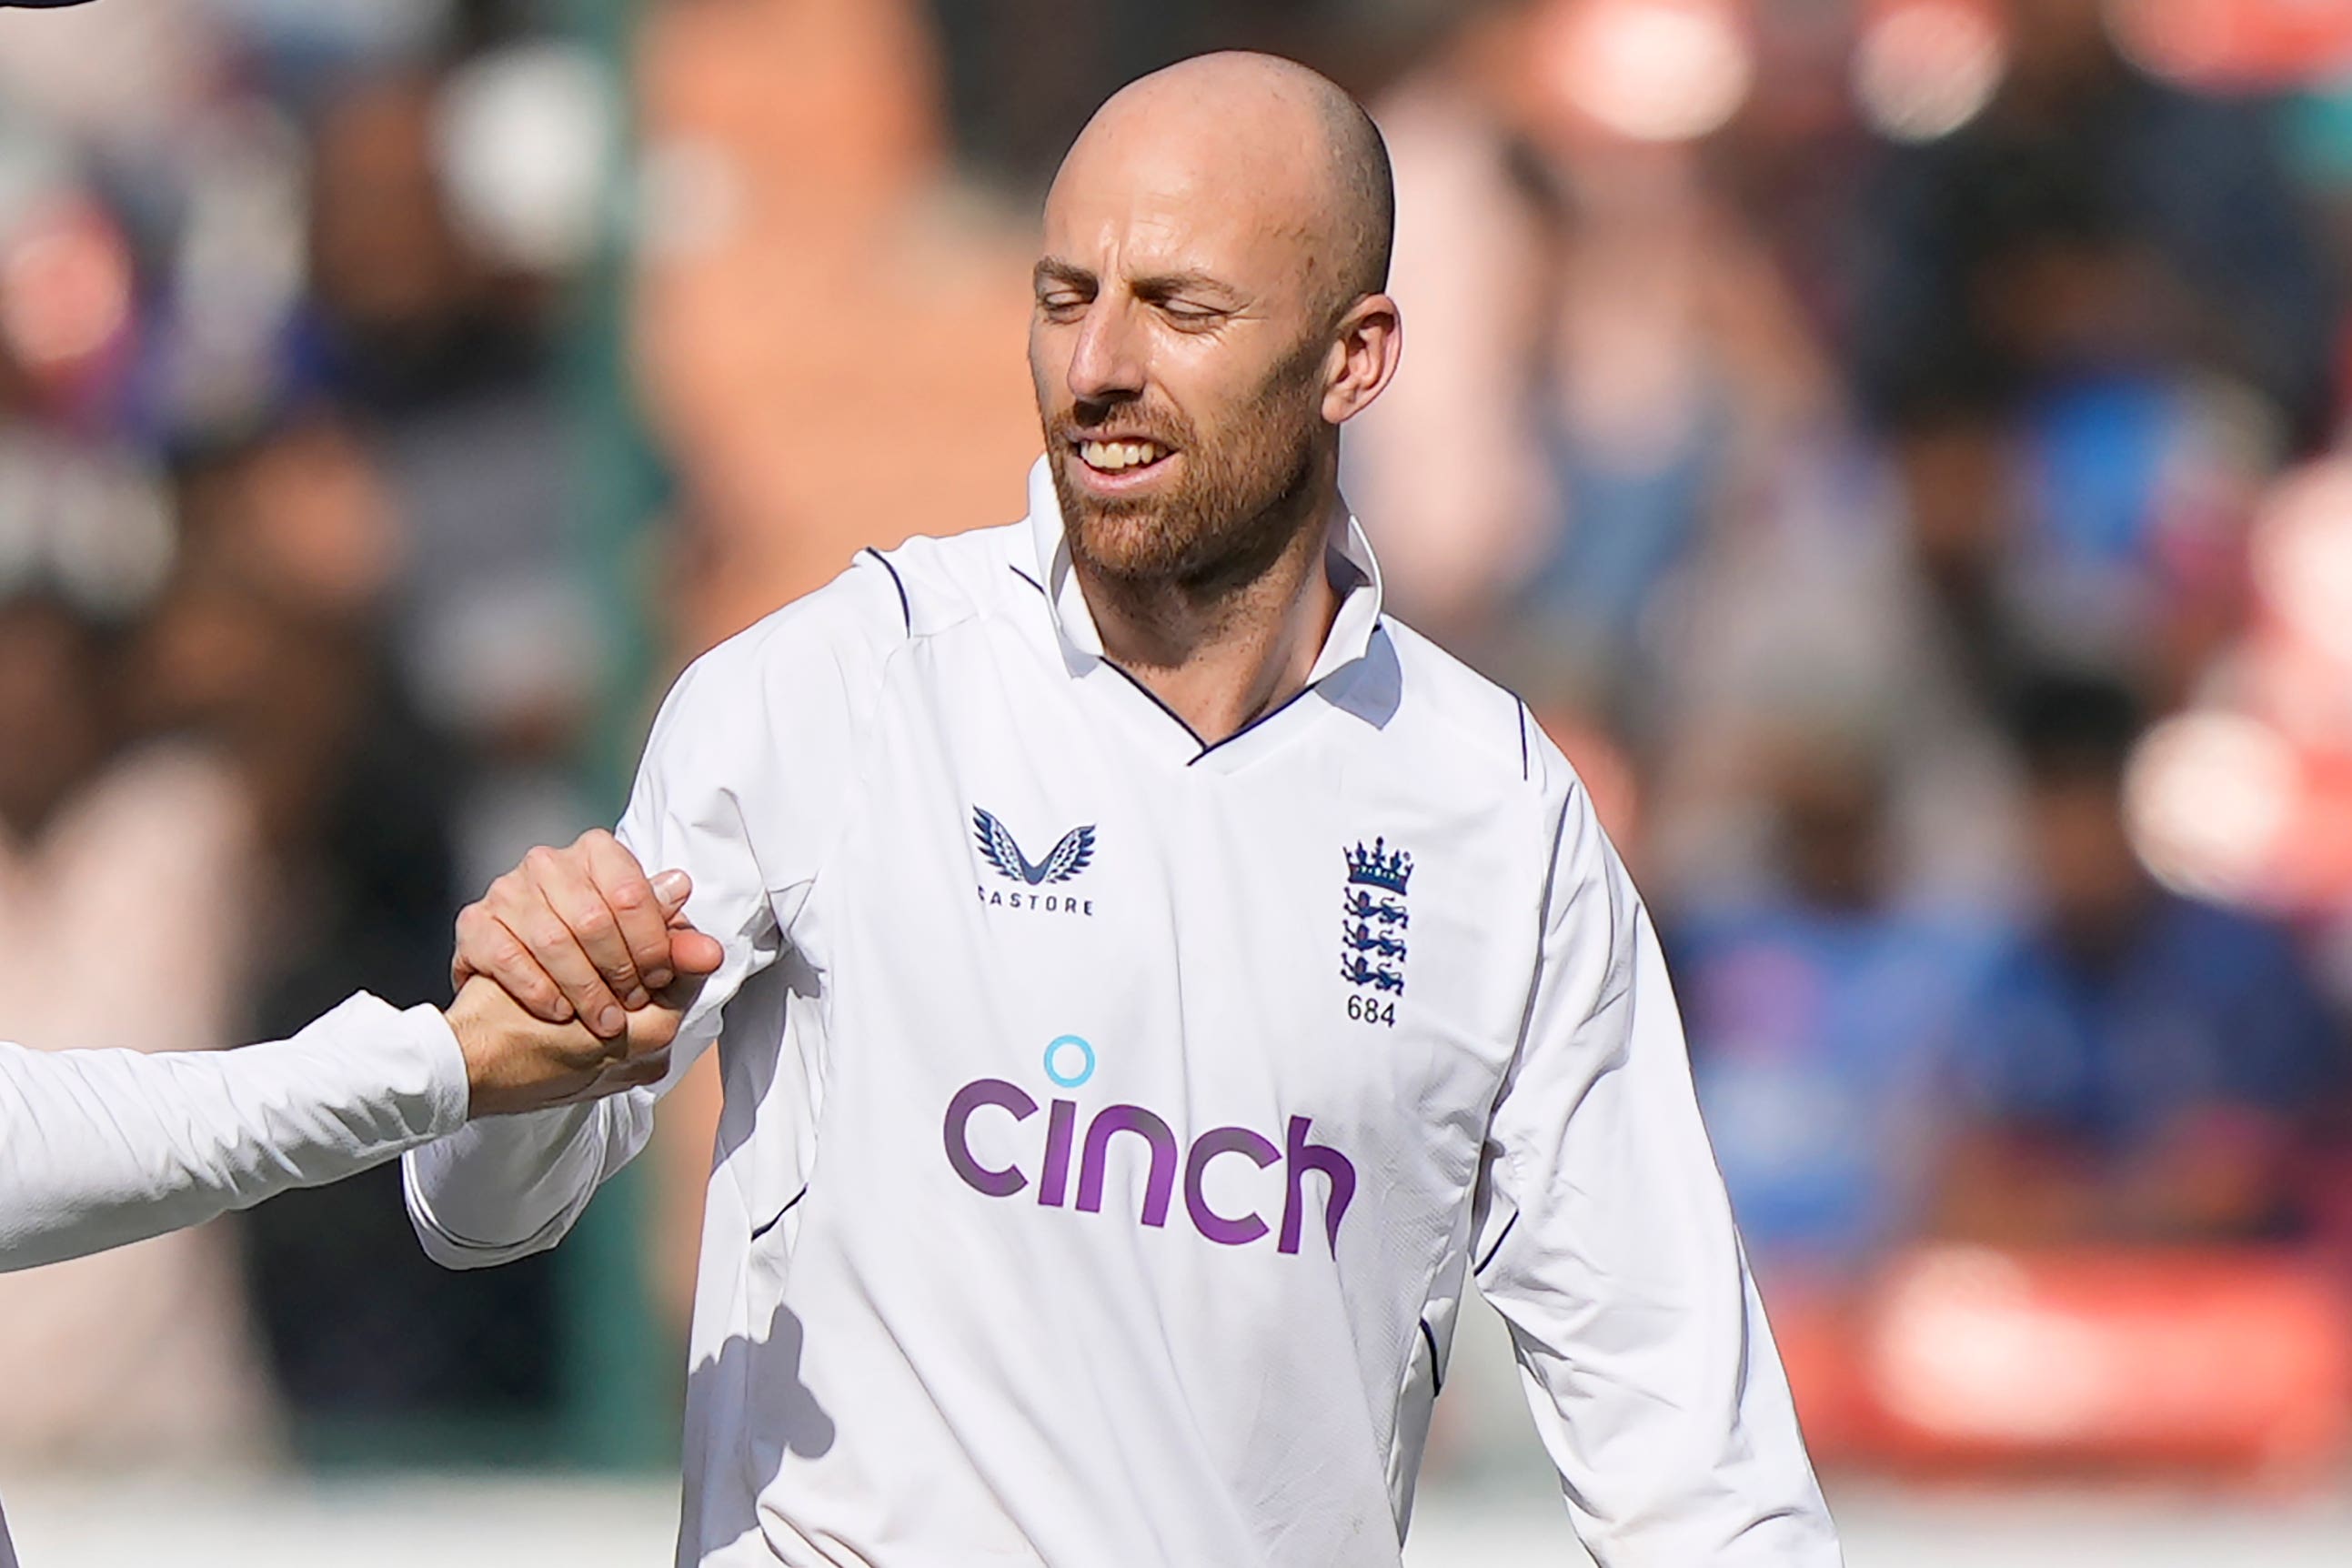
x=512, y=1185
x=102, y=1148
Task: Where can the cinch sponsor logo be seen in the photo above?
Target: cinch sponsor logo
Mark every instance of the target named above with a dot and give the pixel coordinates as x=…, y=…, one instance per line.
x=1069, y=1063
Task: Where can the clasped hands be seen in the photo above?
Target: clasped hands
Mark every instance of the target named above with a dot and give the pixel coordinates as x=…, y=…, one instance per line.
x=573, y=975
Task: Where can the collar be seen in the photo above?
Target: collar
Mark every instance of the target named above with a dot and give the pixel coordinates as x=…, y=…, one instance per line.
x=1351, y=629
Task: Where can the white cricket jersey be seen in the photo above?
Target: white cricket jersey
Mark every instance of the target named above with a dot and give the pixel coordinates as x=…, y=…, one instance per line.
x=1112, y=1121
x=99, y=1149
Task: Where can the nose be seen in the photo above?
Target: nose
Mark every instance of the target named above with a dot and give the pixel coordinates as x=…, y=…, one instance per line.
x=1106, y=360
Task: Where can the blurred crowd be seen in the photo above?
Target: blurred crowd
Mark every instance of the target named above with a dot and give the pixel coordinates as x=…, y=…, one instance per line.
x=1897, y=449
x=1900, y=447
x=292, y=650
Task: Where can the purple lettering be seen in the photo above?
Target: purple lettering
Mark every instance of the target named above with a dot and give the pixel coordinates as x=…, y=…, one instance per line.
x=970, y=1098
x=1206, y=1220
x=1061, y=1127
x=1304, y=1157
x=1161, y=1186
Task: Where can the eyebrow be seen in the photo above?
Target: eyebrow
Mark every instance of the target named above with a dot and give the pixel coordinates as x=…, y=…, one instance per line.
x=1153, y=286
x=1053, y=269
x=1163, y=285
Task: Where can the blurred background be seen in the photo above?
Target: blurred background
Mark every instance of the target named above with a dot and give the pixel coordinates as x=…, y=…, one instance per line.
x=1900, y=447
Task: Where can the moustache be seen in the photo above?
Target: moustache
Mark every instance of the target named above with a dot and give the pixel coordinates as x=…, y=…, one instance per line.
x=1125, y=424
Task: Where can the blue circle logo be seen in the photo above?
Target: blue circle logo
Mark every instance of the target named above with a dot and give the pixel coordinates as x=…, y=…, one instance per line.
x=1057, y=1054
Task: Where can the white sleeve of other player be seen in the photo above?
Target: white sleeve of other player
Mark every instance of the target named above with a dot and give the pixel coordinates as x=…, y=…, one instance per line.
x=99, y=1148
x=744, y=777
x=1606, y=1242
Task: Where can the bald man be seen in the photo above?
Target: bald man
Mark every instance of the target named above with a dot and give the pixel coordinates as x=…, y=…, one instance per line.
x=1156, y=983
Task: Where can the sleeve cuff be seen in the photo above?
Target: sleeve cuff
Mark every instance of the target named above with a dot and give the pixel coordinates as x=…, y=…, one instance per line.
x=450, y=1092
x=412, y=1056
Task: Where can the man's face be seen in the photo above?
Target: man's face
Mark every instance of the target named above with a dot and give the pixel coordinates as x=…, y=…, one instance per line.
x=1180, y=347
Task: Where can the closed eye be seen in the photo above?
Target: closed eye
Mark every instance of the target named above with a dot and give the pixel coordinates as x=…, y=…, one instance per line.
x=1063, y=289
x=1188, y=300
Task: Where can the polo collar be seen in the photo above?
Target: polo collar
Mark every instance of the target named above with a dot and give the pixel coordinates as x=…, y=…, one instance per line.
x=1351, y=629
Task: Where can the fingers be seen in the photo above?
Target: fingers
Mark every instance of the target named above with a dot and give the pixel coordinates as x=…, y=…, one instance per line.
x=695, y=953
x=640, y=912
x=566, y=883
x=514, y=1062
x=644, y=1059
x=656, y=1025
x=551, y=931
x=582, y=932
x=489, y=947
x=652, y=1029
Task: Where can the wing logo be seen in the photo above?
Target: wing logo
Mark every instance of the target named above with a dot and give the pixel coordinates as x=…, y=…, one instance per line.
x=1073, y=854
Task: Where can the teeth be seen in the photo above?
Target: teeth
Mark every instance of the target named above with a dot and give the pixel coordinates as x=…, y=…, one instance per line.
x=1113, y=455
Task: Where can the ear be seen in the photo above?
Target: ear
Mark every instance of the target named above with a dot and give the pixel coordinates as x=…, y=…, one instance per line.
x=1364, y=354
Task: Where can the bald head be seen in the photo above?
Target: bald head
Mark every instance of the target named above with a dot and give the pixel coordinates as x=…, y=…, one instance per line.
x=1211, y=308
x=1264, y=131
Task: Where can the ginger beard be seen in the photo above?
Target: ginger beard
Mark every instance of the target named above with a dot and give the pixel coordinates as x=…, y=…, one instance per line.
x=1239, y=493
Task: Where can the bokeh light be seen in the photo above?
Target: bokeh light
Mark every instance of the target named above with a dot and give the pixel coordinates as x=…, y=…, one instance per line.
x=65, y=285
x=2207, y=799
x=2236, y=44
x=93, y=524
x=2301, y=558
x=1923, y=68
x=1653, y=70
x=1963, y=1349
x=525, y=135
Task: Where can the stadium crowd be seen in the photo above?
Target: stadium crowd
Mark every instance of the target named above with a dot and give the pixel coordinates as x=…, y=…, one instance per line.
x=1897, y=447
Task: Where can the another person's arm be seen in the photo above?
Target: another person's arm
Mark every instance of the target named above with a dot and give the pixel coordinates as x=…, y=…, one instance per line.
x=99, y=1148
x=1604, y=1240
x=102, y=1148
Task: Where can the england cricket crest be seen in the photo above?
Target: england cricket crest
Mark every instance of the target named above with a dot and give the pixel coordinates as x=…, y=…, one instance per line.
x=1373, y=920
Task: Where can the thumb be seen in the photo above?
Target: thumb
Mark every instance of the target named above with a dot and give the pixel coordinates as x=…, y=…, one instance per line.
x=695, y=953
x=670, y=889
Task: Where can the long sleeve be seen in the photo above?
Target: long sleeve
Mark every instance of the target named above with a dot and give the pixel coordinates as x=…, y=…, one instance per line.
x=746, y=772
x=509, y=1186
x=1606, y=1242
x=99, y=1148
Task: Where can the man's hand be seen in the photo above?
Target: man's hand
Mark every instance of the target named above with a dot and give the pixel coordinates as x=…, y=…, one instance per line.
x=516, y=1063
x=581, y=933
